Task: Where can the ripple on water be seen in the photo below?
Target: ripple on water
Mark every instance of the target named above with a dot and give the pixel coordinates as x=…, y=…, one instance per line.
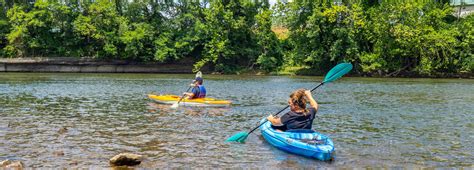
x=81, y=120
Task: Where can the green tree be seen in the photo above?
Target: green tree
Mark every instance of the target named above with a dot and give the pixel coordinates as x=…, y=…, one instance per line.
x=229, y=40
x=465, y=48
x=98, y=30
x=271, y=57
x=379, y=38
x=412, y=37
x=4, y=26
x=181, y=35
x=323, y=35
x=43, y=30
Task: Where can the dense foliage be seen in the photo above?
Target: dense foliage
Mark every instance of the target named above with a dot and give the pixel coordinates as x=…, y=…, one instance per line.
x=230, y=35
x=386, y=39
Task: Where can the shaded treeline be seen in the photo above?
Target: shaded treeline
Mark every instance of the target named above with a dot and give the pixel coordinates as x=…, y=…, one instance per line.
x=378, y=37
x=227, y=35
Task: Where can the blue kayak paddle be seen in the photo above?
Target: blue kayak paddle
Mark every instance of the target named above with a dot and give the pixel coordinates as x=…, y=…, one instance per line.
x=336, y=72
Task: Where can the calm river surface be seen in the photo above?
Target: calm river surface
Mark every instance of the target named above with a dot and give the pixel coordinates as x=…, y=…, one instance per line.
x=82, y=120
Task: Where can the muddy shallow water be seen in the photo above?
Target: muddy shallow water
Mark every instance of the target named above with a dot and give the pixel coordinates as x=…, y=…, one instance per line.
x=82, y=120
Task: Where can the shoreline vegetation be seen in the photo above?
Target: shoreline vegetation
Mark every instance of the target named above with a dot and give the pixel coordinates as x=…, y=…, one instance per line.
x=381, y=39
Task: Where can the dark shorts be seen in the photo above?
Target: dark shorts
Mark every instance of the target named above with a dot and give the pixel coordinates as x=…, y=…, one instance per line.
x=282, y=128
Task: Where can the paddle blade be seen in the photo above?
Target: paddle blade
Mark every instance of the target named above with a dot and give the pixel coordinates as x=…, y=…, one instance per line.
x=198, y=74
x=174, y=106
x=337, y=72
x=239, y=137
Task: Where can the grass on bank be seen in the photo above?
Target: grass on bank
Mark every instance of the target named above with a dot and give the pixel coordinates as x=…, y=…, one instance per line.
x=293, y=70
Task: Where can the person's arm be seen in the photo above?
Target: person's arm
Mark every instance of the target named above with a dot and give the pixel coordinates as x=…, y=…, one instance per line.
x=276, y=121
x=187, y=94
x=312, y=102
x=191, y=94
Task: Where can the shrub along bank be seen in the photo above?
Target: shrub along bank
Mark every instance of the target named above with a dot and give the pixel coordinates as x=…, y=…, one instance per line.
x=381, y=39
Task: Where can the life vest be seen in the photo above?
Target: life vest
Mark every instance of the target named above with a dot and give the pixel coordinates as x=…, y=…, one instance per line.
x=201, y=92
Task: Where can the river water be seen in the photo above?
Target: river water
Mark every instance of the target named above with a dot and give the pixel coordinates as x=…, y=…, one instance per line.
x=81, y=120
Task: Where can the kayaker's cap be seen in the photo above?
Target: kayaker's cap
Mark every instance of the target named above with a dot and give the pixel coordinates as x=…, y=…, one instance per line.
x=199, y=80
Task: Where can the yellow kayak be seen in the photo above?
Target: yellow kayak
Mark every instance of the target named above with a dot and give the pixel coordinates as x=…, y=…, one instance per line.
x=205, y=102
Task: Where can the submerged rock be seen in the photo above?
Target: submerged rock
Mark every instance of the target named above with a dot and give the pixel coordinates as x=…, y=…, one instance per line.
x=10, y=164
x=17, y=164
x=74, y=163
x=5, y=163
x=62, y=130
x=58, y=153
x=127, y=159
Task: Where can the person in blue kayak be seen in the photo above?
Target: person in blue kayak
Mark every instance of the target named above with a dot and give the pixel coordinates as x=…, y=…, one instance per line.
x=299, y=117
x=198, y=90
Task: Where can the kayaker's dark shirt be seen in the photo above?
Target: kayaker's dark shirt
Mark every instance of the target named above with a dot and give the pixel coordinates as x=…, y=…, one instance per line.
x=292, y=120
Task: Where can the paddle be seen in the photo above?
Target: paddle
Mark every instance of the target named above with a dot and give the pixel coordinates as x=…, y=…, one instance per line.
x=198, y=74
x=333, y=74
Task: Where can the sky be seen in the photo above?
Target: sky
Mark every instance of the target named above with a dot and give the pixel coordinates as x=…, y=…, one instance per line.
x=272, y=2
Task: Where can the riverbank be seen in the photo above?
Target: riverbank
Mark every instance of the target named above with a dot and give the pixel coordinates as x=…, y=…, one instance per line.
x=396, y=74
x=90, y=65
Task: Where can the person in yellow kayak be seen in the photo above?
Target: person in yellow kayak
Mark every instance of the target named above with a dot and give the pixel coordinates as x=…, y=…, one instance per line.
x=299, y=117
x=198, y=90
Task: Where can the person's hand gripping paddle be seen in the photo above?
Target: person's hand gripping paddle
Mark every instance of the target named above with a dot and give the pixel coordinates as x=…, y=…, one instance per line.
x=176, y=105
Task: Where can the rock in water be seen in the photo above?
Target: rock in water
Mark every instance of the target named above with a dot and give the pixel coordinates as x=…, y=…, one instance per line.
x=13, y=165
x=62, y=130
x=127, y=159
x=58, y=153
x=16, y=165
x=5, y=163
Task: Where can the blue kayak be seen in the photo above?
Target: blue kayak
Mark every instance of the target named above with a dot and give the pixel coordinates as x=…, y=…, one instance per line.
x=306, y=143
